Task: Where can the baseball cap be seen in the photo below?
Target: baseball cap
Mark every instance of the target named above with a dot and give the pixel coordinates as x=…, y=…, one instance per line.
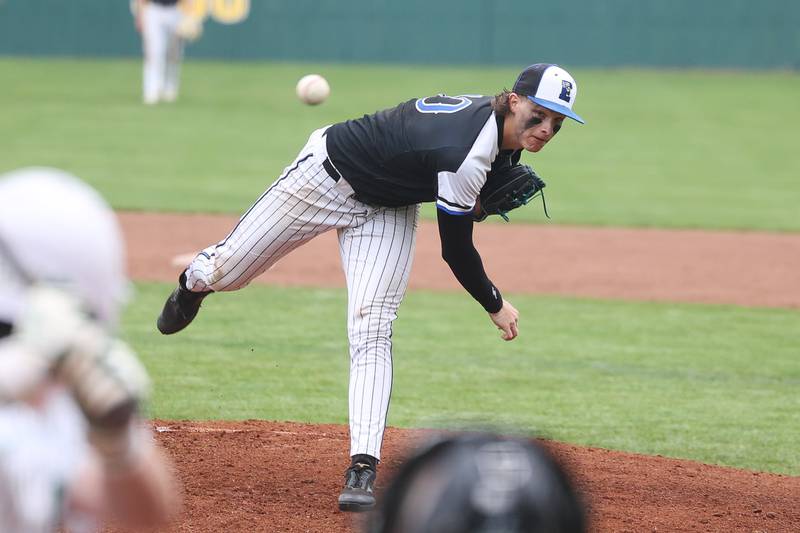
x=550, y=86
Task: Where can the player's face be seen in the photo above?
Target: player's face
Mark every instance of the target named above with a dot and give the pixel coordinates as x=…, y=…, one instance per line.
x=534, y=125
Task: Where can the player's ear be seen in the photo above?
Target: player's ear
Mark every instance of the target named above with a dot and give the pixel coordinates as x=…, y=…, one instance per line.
x=513, y=101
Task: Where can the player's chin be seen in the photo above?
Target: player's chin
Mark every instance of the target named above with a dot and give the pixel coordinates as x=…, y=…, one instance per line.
x=534, y=146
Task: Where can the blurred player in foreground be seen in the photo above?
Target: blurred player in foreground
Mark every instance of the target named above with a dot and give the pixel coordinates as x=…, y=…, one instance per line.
x=74, y=450
x=480, y=483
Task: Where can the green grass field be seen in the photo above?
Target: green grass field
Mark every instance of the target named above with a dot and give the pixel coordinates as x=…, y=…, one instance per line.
x=712, y=383
x=669, y=149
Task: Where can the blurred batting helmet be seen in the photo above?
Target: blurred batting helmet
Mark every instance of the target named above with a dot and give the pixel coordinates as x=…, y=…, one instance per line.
x=56, y=229
x=480, y=483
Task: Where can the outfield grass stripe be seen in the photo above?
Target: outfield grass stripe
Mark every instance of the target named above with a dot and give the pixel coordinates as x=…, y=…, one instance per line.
x=716, y=384
x=660, y=149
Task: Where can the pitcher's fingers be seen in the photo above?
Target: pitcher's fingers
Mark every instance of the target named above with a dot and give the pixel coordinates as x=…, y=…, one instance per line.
x=512, y=333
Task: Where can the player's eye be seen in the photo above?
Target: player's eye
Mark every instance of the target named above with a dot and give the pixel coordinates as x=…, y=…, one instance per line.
x=556, y=127
x=533, y=121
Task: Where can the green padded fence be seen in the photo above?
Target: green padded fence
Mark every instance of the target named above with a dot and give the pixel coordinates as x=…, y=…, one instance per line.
x=661, y=33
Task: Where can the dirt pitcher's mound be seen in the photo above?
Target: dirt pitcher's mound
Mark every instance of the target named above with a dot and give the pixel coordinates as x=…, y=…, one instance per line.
x=285, y=477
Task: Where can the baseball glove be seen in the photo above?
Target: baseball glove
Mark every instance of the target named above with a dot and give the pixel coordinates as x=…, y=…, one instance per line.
x=190, y=28
x=507, y=189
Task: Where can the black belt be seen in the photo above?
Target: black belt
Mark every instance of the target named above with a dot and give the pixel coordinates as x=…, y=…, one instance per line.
x=331, y=170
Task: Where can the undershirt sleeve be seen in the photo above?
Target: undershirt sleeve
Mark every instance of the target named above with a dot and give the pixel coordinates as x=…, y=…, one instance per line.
x=458, y=251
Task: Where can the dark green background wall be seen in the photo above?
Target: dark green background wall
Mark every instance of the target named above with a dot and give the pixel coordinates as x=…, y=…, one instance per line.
x=713, y=33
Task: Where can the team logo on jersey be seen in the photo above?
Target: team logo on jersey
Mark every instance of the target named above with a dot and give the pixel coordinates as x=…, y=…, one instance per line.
x=441, y=103
x=566, y=90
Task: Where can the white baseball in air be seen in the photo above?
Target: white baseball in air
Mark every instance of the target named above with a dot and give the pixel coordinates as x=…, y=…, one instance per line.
x=313, y=89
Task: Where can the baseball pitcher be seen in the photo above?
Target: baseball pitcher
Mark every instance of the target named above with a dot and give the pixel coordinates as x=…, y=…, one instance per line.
x=365, y=178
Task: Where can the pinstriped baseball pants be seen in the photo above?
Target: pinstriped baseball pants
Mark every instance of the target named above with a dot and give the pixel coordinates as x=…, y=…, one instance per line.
x=376, y=245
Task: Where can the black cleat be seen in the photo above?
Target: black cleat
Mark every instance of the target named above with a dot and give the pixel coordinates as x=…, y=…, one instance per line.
x=180, y=308
x=357, y=495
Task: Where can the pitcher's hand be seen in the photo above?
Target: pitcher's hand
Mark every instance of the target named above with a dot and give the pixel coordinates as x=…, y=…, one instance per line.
x=506, y=320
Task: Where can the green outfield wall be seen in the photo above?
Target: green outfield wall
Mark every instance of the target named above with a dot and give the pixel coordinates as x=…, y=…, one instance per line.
x=661, y=33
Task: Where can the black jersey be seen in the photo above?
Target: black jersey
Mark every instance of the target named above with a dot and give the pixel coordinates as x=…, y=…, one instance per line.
x=438, y=148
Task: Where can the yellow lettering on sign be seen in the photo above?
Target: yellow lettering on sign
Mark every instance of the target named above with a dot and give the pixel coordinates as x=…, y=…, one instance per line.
x=223, y=11
x=195, y=8
x=229, y=11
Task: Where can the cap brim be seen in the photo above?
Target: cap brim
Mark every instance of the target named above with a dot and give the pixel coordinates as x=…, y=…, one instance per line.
x=552, y=106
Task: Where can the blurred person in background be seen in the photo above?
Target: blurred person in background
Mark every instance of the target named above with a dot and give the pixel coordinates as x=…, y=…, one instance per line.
x=159, y=22
x=74, y=448
x=480, y=483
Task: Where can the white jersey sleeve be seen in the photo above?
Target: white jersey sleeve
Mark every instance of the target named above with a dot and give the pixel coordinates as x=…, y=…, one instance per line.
x=459, y=190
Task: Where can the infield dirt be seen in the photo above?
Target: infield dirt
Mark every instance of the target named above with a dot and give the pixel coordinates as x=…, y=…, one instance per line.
x=276, y=476
x=284, y=477
x=741, y=268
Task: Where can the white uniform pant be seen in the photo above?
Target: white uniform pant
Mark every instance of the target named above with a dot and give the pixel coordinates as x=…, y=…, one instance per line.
x=163, y=50
x=376, y=246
